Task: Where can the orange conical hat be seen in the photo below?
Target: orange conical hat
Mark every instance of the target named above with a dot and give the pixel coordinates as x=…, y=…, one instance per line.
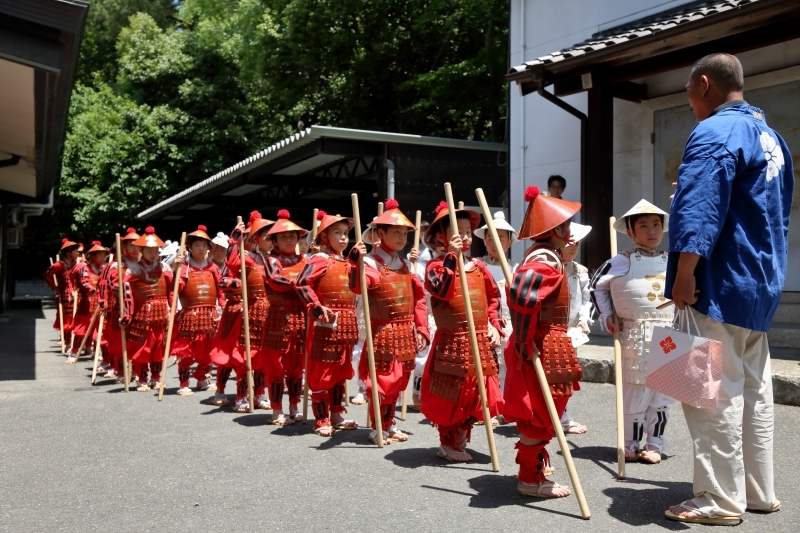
x=149, y=239
x=66, y=243
x=442, y=212
x=544, y=213
x=258, y=223
x=326, y=221
x=392, y=216
x=131, y=235
x=96, y=247
x=200, y=232
x=284, y=224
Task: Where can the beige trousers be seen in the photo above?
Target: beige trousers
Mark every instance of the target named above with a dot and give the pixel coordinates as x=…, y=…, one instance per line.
x=733, y=443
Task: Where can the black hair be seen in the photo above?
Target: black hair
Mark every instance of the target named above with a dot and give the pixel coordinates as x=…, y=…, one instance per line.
x=191, y=239
x=556, y=177
x=633, y=218
x=69, y=249
x=724, y=69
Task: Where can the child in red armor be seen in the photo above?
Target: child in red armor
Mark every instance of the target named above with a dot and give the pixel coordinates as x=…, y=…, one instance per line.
x=398, y=314
x=60, y=271
x=538, y=300
x=284, y=337
x=323, y=285
x=450, y=397
x=85, y=278
x=146, y=311
x=198, y=290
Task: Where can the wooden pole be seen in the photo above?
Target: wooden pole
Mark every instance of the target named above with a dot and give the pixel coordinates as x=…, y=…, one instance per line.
x=246, y=320
x=618, y=374
x=375, y=244
x=314, y=226
x=537, y=363
x=60, y=312
x=373, y=376
x=172, y=309
x=417, y=224
x=460, y=205
x=97, y=349
x=473, y=336
x=121, y=297
x=88, y=330
x=74, y=312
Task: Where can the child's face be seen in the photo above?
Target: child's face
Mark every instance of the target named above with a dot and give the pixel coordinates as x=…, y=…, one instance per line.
x=98, y=258
x=569, y=253
x=505, y=242
x=303, y=246
x=149, y=253
x=395, y=238
x=464, y=231
x=218, y=253
x=72, y=256
x=286, y=242
x=647, y=231
x=199, y=249
x=264, y=242
x=131, y=251
x=336, y=237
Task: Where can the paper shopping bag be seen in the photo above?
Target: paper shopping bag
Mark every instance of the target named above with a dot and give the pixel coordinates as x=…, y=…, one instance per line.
x=684, y=366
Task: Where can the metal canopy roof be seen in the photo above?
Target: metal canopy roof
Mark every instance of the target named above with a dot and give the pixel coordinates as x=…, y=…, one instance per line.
x=658, y=43
x=319, y=164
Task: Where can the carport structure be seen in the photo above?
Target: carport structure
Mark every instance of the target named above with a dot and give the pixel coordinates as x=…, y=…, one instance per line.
x=322, y=166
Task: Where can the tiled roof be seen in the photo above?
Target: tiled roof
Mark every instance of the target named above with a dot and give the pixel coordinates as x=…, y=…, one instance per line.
x=640, y=28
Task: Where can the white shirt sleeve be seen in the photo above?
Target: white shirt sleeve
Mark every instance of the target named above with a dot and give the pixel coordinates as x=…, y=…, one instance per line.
x=619, y=265
x=585, y=311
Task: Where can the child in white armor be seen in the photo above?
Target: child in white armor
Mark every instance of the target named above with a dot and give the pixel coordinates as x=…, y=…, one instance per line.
x=580, y=306
x=431, y=251
x=631, y=285
x=508, y=236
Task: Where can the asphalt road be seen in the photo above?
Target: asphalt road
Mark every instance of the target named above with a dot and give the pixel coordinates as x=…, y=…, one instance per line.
x=77, y=458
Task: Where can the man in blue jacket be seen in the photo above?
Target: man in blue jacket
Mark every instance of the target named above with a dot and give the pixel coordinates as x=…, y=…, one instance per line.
x=728, y=227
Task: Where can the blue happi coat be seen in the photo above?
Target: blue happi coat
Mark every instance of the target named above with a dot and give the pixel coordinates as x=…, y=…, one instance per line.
x=732, y=207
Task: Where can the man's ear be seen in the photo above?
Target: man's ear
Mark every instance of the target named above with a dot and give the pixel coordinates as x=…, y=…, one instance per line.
x=705, y=84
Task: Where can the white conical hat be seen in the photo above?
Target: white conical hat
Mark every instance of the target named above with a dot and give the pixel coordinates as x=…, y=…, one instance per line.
x=578, y=231
x=220, y=240
x=366, y=235
x=642, y=208
x=168, y=249
x=500, y=222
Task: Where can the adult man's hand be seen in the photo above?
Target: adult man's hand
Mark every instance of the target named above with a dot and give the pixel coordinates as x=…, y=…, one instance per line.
x=683, y=290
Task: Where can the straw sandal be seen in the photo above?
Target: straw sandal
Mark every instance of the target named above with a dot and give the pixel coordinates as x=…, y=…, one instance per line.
x=346, y=425
x=650, y=454
x=702, y=517
x=574, y=428
x=523, y=489
x=185, y=391
x=776, y=506
x=373, y=436
x=282, y=420
x=452, y=457
x=220, y=399
x=205, y=386
x=144, y=387
x=325, y=431
x=358, y=399
x=396, y=435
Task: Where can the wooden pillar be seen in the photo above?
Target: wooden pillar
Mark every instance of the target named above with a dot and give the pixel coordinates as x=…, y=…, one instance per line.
x=597, y=192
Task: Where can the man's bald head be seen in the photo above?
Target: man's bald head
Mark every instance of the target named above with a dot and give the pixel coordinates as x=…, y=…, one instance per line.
x=724, y=70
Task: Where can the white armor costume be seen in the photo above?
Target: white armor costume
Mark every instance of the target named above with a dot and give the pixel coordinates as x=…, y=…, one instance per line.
x=500, y=279
x=580, y=304
x=632, y=285
x=422, y=357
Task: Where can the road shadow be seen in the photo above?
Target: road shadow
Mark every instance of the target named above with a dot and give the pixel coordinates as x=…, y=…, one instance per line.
x=640, y=506
x=351, y=438
x=253, y=419
x=426, y=457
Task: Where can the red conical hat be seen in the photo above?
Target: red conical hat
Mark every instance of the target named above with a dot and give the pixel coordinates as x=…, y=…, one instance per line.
x=326, y=221
x=149, y=239
x=96, y=247
x=257, y=223
x=392, y=216
x=66, y=243
x=544, y=213
x=443, y=212
x=283, y=224
x=200, y=233
x=131, y=235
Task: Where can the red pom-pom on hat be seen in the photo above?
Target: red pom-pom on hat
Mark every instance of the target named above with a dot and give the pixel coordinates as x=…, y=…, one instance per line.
x=96, y=243
x=321, y=215
x=532, y=192
x=202, y=228
x=131, y=230
x=391, y=203
x=150, y=230
x=64, y=240
x=249, y=224
x=254, y=215
x=283, y=213
x=442, y=205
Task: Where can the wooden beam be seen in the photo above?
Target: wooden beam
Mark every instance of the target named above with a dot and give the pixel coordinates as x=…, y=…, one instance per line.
x=597, y=190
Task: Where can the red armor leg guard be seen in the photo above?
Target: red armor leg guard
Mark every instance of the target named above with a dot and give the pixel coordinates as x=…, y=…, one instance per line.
x=201, y=371
x=387, y=416
x=184, y=371
x=258, y=383
x=467, y=426
x=337, y=398
x=77, y=344
x=320, y=408
x=276, y=394
x=155, y=371
x=143, y=372
x=295, y=388
x=223, y=374
x=241, y=386
x=532, y=461
x=448, y=436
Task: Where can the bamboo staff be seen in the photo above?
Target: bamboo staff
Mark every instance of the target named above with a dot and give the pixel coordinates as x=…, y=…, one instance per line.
x=121, y=297
x=537, y=363
x=375, y=243
x=88, y=331
x=314, y=226
x=74, y=312
x=618, y=374
x=246, y=320
x=473, y=335
x=417, y=224
x=97, y=347
x=173, y=307
x=60, y=312
x=376, y=401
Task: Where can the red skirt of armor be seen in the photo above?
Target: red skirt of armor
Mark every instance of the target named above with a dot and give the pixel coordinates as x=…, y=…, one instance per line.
x=197, y=347
x=323, y=376
x=524, y=401
x=152, y=349
x=225, y=347
x=67, y=318
x=80, y=325
x=193, y=333
x=289, y=363
x=390, y=385
x=446, y=413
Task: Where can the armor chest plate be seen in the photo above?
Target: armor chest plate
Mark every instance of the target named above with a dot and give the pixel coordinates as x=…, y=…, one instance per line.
x=199, y=290
x=637, y=294
x=333, y=289
x=451, y=315
x=255, y=282
x=555, y=306
x=144, y=290
x=393, y=299
x=287, y=297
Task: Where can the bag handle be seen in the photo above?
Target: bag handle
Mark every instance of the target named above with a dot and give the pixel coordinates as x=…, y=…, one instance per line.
x=683, y=318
